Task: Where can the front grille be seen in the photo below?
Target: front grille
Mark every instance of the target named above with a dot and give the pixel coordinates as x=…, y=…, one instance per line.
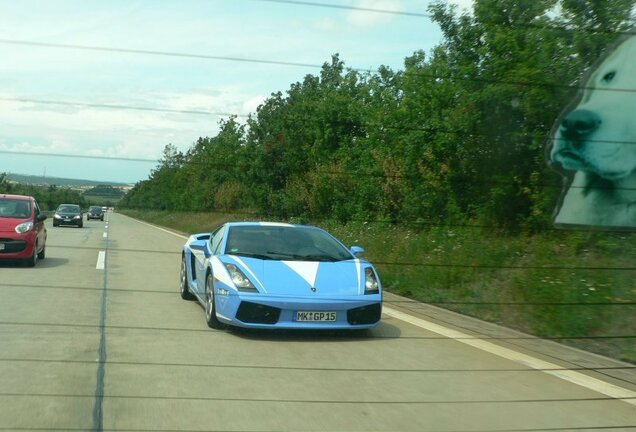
x=254, y=313
x=13, y=246
x=365, y=314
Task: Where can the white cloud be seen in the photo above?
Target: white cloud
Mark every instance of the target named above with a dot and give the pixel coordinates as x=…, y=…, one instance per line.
x=326, y=24
x=266, y=31
x=363, y=18
x=250, y=105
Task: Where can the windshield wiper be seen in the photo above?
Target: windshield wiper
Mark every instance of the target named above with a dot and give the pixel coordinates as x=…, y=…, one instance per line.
x=251, y=255
x=311, y=257
x=286, y=255
x=326, y=258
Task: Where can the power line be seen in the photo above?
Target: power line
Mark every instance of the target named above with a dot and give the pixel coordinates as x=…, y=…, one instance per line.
x=299, y=64
x=323, y=401
x=355, y=174
x=429, y=129
x=78, y=156
x=543, y=429
x=317, y=369
x=120, y=107
x=515, y=25
x=351, y=8
x=393, y=302
x=378, y=337
x=407, y=264
x=161, y=53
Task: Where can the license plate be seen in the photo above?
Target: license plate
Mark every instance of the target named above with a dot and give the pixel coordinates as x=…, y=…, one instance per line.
x=1, y=246
x=315, y=316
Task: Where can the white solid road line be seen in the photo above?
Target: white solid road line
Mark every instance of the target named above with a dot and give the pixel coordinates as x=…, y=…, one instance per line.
x=578, y=378
x=101, y=260
x=163, y=229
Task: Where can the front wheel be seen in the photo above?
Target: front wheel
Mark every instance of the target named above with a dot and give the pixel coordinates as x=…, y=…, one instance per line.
x=184, y=287
x=30, y=262
x=42, y=253
x=210, y=307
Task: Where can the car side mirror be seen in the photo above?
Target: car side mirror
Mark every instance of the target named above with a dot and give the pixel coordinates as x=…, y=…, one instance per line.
x=41, y=217
x=201, y=245
x=356, y=250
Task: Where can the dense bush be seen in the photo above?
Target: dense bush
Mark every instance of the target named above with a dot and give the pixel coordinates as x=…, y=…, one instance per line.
x=458, y=135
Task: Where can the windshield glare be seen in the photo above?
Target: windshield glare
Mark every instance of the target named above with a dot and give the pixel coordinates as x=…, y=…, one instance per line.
x=285, y=243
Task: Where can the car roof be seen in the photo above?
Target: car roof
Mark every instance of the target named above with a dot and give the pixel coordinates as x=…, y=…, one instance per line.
x=17, y=197
x=256, y=223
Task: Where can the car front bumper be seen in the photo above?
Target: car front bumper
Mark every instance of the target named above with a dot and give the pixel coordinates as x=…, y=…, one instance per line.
x=16, y=246
x=264, y=311
x=64, y=221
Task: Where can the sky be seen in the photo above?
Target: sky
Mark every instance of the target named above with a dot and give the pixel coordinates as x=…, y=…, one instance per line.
x=95, y=90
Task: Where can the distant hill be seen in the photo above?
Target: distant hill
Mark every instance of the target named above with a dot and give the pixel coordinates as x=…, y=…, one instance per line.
x=41, y=180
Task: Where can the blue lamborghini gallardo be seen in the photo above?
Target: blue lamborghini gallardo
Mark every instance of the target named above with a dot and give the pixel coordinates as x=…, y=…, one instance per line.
x=275, y=275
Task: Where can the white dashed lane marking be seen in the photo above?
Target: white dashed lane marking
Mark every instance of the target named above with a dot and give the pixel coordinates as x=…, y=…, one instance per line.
x=101, y=260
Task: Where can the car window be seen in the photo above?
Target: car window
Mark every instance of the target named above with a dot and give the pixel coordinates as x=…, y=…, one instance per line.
x=13, y=208
x=217, y=236
x=69, y=208
x=285, y=243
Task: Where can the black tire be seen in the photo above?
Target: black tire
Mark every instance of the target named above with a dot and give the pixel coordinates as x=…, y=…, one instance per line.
x=184, y=286
x=81, y=225
x=210, y=306
x=54, y=224
x=30, y=262
x=42, y=253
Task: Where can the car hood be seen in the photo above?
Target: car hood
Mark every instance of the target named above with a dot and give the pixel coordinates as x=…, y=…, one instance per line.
x=299, y=277
x=9, y=224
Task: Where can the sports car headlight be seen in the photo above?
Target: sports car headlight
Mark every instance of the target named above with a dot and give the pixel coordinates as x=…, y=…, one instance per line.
x=371, y=285
x=24, y=227
x=241, y=282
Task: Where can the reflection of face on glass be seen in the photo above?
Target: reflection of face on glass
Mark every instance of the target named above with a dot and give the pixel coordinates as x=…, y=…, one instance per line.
x=595, y=146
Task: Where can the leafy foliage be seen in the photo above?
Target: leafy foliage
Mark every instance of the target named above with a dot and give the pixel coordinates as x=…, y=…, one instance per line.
x=458, y=135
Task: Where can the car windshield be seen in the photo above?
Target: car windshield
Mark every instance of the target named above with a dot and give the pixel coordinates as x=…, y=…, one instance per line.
x=68, y=209
x=289, y=243
x=95, y=209
x=14, y=208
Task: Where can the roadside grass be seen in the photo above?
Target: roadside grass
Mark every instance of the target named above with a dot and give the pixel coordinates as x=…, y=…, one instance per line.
x=578, y=288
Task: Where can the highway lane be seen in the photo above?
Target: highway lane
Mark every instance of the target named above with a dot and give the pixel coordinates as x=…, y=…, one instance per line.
x=84, y=348
x=49, y=333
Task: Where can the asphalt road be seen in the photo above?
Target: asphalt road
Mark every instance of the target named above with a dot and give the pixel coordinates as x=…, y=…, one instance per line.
x=115, y=348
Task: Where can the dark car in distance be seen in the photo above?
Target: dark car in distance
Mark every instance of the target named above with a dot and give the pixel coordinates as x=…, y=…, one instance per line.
x=95, y=212
x=22, y=231
x=68, y=214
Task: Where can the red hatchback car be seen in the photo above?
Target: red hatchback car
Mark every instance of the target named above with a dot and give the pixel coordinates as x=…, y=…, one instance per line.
x=22, y=231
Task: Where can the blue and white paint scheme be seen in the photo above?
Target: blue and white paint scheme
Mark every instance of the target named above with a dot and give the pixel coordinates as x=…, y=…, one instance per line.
x=275, y=275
